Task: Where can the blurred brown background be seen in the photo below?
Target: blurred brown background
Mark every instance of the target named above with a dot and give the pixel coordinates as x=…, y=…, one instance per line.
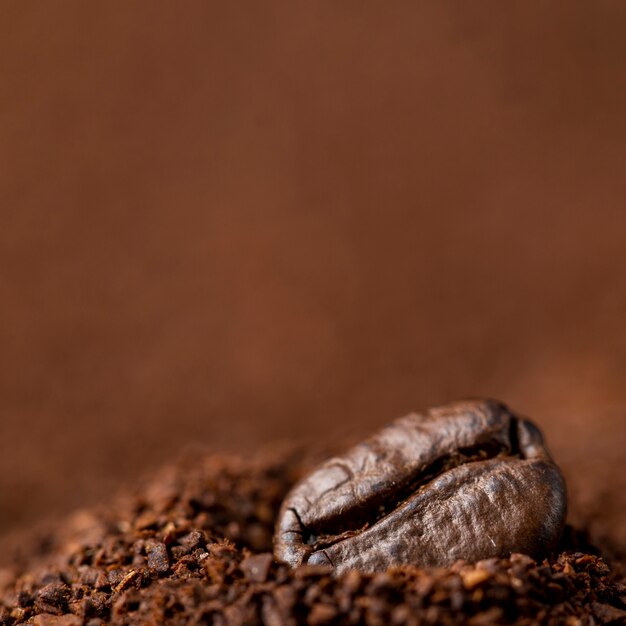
x=234, y=223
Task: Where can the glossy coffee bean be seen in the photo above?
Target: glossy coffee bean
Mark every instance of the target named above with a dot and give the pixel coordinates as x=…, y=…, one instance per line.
x=468, y=480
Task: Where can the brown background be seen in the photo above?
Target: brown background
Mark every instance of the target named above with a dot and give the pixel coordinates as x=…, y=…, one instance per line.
x=235, y=223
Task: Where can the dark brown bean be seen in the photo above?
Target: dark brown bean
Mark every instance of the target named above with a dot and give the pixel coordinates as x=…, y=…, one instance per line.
x=469, y=480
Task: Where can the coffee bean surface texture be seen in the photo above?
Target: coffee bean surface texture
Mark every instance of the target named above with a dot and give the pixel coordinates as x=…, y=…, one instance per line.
x=468, y=480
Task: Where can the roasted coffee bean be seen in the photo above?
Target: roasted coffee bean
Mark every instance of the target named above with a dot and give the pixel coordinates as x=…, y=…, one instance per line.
x=469, y=480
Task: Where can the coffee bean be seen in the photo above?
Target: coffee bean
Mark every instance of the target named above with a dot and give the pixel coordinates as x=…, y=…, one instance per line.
x=468, y=480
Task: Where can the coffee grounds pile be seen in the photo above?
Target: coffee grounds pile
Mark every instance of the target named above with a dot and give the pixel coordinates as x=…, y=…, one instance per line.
x=193, y=546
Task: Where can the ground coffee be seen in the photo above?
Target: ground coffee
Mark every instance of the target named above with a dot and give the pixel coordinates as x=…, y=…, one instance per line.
x=193, y=547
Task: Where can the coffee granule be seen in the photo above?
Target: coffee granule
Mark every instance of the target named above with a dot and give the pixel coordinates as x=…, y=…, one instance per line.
x=194, y=547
